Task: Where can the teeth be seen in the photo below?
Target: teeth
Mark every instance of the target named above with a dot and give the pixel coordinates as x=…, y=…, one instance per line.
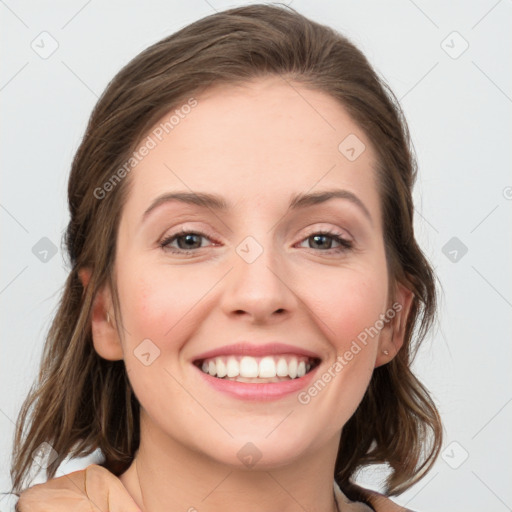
x=292, y=368
x=222, y=371
x=268, y=367
x=248, y=367
x=282, y=368
x=233, y=368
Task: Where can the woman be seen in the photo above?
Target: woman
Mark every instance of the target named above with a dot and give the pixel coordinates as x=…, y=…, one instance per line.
x=246, y=292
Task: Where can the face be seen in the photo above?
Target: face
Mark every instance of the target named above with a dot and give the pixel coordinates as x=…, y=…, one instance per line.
x=223, y=302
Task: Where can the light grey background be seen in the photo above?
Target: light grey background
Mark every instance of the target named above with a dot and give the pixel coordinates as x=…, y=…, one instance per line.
x=459, y=109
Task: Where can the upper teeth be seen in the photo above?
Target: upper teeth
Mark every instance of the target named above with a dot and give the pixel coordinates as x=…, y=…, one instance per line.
x=264, y=367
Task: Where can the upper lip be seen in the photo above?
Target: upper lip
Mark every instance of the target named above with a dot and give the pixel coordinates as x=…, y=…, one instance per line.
x=256, y=350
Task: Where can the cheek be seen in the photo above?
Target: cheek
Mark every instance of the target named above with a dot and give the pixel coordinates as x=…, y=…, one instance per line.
x=157, y=311
x=157, y=305
x=348, y=313
x=350, y=305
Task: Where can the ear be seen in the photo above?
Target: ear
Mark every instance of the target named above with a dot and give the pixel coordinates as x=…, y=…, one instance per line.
x=392, y=335
x=103, y=324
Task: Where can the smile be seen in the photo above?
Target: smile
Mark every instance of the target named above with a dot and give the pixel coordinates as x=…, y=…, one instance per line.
x=269, y=368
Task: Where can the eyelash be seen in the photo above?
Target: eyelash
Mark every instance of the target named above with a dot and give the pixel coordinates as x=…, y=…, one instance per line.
x=345, y=245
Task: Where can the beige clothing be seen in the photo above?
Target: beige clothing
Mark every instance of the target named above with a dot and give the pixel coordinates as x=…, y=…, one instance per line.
x=379, y=503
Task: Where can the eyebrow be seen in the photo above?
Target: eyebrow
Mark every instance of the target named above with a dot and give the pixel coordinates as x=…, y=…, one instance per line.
x=218, y=203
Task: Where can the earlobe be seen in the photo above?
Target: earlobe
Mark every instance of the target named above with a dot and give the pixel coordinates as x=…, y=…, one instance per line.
x=104, y=330
x=84, y=275
x=393, y=335
x=105, y=336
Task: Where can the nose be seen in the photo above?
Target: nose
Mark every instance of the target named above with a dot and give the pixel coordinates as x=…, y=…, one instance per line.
x=261, y=290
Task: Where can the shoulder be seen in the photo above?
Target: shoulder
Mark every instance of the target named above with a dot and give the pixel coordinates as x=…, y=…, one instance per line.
x=377, y=501
x=382, y=503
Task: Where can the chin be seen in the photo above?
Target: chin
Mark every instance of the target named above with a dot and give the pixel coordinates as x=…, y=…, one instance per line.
x=258, y=452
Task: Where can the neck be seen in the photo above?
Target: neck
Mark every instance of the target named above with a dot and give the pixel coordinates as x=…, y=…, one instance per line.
x=168, y=476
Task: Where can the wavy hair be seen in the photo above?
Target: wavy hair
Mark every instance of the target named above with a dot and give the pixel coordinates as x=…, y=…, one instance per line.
x=81, y=402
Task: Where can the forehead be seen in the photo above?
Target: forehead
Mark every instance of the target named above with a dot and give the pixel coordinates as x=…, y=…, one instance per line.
x=259, y=141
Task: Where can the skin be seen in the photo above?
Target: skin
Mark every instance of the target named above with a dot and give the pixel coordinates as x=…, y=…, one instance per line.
x=256, y=145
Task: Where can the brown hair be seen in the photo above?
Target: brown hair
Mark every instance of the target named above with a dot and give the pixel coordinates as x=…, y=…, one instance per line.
x=82, y=402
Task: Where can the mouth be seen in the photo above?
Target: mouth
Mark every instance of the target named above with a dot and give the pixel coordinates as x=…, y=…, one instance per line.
x=264, y=369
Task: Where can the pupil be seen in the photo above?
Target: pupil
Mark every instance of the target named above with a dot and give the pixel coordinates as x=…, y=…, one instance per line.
x=189, y=240
x=317, y=237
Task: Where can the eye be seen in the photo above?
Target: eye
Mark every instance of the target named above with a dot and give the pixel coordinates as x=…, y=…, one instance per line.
x=186, y=242
x=323, y=240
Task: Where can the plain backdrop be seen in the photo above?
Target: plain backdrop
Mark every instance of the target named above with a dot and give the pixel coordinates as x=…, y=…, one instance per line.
x=447, y=62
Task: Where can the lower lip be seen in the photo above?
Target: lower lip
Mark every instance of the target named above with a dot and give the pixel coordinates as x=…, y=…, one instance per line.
x=262, y=392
